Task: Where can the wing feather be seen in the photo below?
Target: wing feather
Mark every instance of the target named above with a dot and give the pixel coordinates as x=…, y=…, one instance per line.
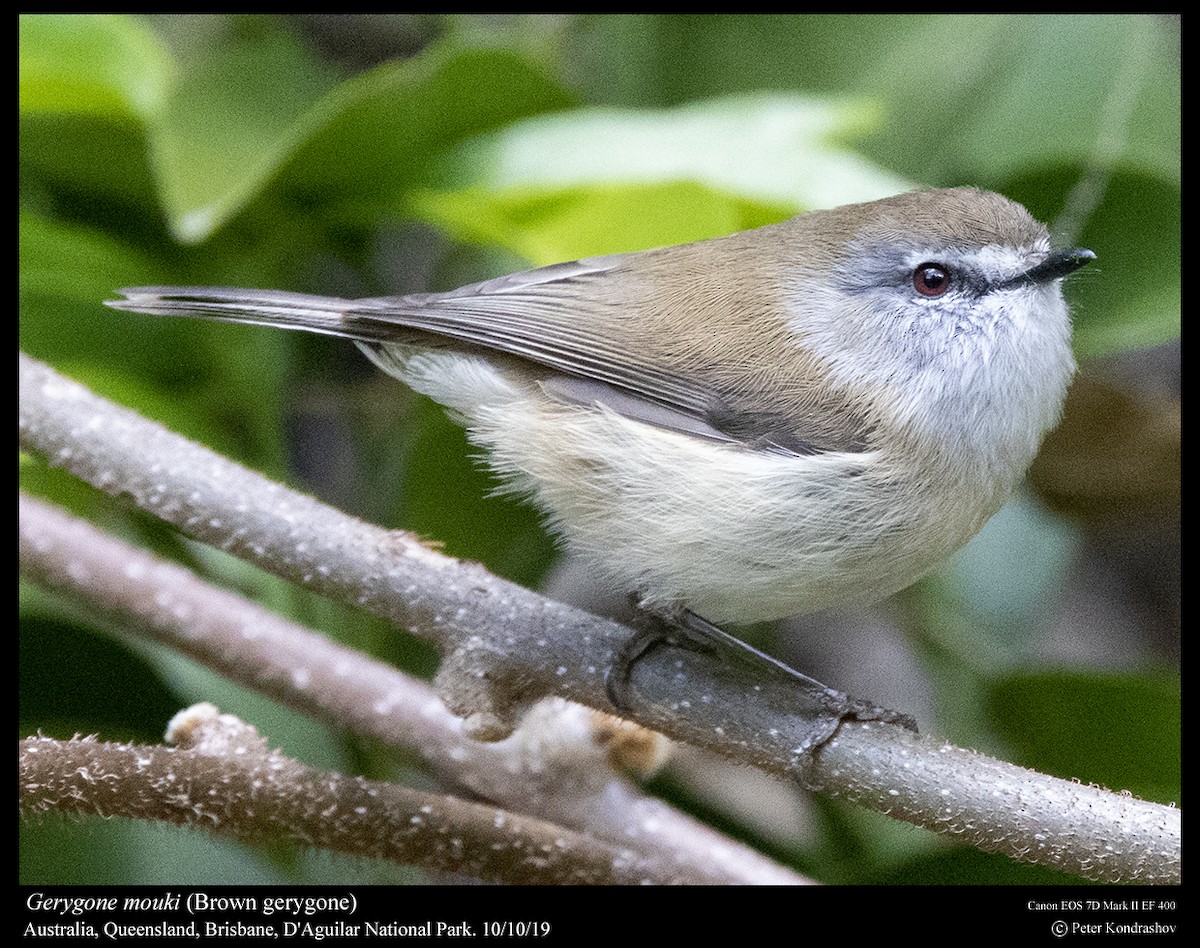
x=588, y=321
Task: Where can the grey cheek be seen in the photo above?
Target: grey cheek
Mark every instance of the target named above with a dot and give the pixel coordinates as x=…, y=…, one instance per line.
x=870, y=274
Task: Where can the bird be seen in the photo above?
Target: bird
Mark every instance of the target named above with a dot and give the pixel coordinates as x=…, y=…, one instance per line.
x=752, y=427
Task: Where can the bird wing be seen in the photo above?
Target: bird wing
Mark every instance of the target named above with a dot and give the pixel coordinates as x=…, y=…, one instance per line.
x=566, y=318
x=544, y=316
x=553, y=317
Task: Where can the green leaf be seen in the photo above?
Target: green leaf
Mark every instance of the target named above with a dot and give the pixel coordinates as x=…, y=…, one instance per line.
x=549, y=226
x=380, y=132
x=606, y=180
x=98, y=166
x=779, y=149
x=87, y=86
x=102, y=65
x=232, y=121
x=255, y=117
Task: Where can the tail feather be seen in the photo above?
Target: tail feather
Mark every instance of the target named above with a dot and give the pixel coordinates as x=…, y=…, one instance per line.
x=320, y=314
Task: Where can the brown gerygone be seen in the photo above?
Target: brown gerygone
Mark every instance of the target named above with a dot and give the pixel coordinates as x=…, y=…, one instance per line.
x=751, y=427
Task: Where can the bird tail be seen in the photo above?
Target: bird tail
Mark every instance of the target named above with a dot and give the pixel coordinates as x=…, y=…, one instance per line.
x=319, y=314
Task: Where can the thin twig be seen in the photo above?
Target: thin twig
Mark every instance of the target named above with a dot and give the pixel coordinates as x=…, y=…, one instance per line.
x=225, y=779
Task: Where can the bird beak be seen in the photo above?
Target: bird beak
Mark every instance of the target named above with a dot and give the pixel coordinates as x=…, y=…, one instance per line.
x=1054, y=267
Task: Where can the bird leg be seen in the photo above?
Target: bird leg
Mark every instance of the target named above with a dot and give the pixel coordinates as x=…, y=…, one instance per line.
x=682, y=628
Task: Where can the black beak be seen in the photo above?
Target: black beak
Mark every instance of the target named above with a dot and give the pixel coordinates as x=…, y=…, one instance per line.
x=1054, y=267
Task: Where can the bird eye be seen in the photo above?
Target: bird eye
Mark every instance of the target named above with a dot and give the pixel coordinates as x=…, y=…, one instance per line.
x=931, y=279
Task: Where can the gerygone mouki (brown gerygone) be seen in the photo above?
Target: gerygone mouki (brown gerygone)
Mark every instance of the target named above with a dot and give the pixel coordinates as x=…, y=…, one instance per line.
x=746, y=428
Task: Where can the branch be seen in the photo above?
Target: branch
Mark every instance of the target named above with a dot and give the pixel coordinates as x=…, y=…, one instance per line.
x=225, y=779
x=552, y=765
x=503, y=646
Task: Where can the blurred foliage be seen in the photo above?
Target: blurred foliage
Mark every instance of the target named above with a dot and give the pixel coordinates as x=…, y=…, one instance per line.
x=264, y=151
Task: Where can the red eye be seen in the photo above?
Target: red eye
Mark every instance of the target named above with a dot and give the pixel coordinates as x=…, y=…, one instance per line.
x=931, y=279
